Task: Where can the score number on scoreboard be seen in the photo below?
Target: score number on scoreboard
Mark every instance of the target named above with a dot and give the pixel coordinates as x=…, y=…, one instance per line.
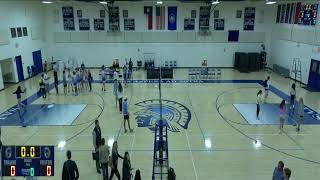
x=27, y=160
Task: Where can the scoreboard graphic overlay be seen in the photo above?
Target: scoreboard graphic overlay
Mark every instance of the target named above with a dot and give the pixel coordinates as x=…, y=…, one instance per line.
x=27, y=160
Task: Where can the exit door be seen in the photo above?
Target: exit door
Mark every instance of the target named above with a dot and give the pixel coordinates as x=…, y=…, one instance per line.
x=314, y=74
x=19, y=68
x=37, y=62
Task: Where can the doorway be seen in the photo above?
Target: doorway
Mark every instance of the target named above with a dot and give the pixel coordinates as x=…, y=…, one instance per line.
x=314, y=74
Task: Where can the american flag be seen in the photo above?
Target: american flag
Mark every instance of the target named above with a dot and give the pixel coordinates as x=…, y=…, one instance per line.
x=160, y=17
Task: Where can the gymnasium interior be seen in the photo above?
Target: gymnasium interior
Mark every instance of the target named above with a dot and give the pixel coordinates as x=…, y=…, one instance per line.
x=210, y=89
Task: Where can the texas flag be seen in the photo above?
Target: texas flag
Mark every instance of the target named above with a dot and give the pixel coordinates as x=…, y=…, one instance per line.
x=148, y=13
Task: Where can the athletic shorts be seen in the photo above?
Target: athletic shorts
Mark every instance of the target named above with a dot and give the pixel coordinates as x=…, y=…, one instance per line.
x=65, y=85
x=126, y=117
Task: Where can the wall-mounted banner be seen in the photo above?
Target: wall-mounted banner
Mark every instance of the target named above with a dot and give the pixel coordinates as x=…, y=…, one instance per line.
x=172, y=18
x=79, y=13
x=283, y=13
x=68, y=18
x=125, y=13
x=193, y=14
x=102, y=13
x=129, y=25
x=219, y=24
x=204, y=18
x=278, y=14
x=189, y=24
x=249, y=18
x=114, y=22
x=84, y=24
x=296, y=17
x=99, y=25
x=288, y=13
x=293, y=13
x=160, y=17
x=239, y=14
x=148, y=13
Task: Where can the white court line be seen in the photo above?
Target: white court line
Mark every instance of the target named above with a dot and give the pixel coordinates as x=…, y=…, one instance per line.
x=110, y=135
x=134, y=137
x=62, y=135
x=231, y=134
x=192, y=159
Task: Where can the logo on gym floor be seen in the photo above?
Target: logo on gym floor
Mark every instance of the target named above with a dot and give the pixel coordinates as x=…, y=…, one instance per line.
x=175, y=114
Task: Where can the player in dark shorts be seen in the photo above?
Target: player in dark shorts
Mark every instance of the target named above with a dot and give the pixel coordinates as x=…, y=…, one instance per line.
x=126, y=116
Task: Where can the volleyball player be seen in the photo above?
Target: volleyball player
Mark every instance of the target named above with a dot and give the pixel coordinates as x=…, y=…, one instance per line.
x=126, y=117
x=74, y=80
x=300, y=113
x=18, y=93
x=103, y=75
x=259, y=101
x=64, y=81
x=282, y=112
x=266, y=88
x=70, y=83
x=292, y=95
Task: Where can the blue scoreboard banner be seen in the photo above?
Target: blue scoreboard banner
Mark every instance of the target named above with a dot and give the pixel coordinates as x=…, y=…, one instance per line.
x=249, y=18
x=189, y=24
x=84, y=24
x=68, y=18
x=99, y=25
x=219, y=24
x=27, y=161
x=308, y=14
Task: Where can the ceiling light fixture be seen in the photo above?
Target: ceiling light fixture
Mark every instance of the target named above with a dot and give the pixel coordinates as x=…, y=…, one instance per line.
x=270, y=2
x=215, y=2
x=257, y=143
x=159, y=2
x=103, y=2
x=46, y=2
x=208, y=143
x=61, y=144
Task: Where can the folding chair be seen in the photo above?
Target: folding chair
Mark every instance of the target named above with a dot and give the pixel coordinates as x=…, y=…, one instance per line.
x=219, y=73
x=166, y=64
x=212, y=73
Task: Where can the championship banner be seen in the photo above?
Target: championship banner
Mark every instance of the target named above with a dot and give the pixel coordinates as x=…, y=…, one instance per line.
x=84, y=24
x=114, y=19
x=148, y=13
x=189, y=24
x=68, y=18
x=129, y=25
x=249, y=18
x=172, y=18
x=99, y=24
x=204, y=18
x=219, y=24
